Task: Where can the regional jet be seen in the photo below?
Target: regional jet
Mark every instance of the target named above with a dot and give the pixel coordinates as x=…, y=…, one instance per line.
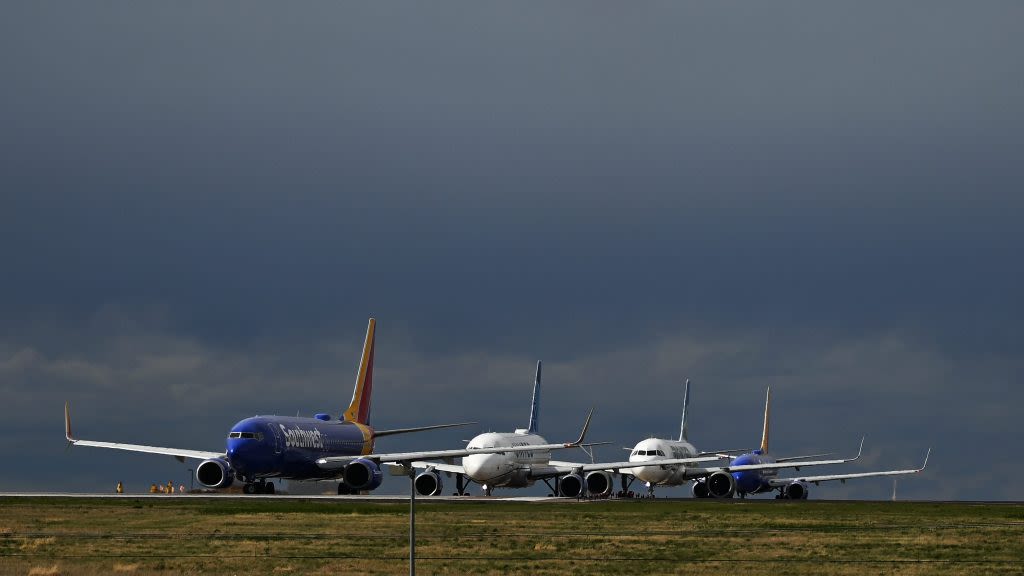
x=509, y=460
x=751, y=473
x=268, y=447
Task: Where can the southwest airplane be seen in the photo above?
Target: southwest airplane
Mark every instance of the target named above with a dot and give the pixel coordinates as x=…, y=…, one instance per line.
x=751, y=473
x=266, y=447
x=508, y=460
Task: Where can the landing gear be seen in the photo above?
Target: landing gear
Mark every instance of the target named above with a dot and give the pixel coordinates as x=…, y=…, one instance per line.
x=460, y=485
x=487, y=489
x=627, y=481
x=260, y=487
x=345, y=490
x=554, y=490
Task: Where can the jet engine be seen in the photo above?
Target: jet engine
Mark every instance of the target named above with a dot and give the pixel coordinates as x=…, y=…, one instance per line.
x=570, y=485
x=700, y=489
x=796, y=491
x=721, y=485
x=599, y=483
x=428, y=483
x=363, y=474
x=215, y=473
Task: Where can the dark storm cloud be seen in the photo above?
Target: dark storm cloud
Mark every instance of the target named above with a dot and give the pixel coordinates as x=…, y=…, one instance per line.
x=245, y=183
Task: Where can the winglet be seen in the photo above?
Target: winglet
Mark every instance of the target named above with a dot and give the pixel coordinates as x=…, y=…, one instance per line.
x=583, y=433
x=67, y=422
x=926, y=455
x=859, y=450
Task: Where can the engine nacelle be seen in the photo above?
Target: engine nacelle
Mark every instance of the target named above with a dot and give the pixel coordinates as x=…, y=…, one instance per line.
x=428, y=483
x=363, y=474
x=700, y=489
x=599, y=483
x=721, y=485
x=215, y=473
x=570, y=485
x=796, y=491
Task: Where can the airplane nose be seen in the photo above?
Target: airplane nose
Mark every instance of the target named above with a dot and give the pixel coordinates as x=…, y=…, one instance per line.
x=479, y=466
x=653, y=474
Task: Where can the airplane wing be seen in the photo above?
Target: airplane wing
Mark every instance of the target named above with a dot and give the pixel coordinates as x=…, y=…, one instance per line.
x=776, y=482
x=558, y=468
x=792, y=458
x=176, y=452
x=778, y=465
x=406, y=458
x=452, y=468
x=566, y=467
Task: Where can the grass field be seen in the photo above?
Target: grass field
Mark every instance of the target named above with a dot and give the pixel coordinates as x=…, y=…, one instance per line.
x=242, y=536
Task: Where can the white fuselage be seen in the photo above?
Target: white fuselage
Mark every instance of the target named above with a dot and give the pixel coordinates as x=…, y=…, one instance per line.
x=653, y=449
x=510, y=468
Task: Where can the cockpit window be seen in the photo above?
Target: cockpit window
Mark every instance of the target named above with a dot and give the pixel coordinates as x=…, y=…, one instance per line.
x=660, y=453
x=249, y=435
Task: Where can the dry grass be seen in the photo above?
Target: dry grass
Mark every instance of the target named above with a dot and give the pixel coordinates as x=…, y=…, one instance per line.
x=192, y=536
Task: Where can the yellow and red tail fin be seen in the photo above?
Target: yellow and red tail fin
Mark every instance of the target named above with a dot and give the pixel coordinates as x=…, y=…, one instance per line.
x=359, y=409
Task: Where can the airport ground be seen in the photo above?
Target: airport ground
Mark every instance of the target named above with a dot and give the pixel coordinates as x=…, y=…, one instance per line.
x=263, y=535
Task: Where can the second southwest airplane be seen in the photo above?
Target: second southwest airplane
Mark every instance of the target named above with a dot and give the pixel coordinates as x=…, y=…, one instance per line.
x=751, y=473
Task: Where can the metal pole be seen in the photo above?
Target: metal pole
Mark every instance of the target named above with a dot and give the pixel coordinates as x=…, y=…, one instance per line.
x=412, y=522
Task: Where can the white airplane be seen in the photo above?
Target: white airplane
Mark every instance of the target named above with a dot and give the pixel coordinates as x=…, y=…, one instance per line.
x=658, y=449
x=750, y=473
x=507, y=460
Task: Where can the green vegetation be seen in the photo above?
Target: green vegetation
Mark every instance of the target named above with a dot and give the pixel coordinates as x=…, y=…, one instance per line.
x=253, y=535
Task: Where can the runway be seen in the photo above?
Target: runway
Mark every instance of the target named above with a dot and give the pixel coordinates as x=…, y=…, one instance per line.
x=466, y=499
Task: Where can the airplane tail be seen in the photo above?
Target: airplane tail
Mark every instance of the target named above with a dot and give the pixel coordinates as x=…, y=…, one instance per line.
x=767, y=412
x=686, y=406
x=359, y=409
x=535, y=405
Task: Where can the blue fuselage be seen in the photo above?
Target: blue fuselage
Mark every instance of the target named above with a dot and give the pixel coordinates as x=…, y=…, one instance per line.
x=286, y=447
x=753, y=481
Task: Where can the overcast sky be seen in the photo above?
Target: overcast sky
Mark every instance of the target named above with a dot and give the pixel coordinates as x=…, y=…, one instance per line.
x=201, y=204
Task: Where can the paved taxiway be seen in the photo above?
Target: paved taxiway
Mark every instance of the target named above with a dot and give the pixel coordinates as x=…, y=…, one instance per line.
x=405, y=498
